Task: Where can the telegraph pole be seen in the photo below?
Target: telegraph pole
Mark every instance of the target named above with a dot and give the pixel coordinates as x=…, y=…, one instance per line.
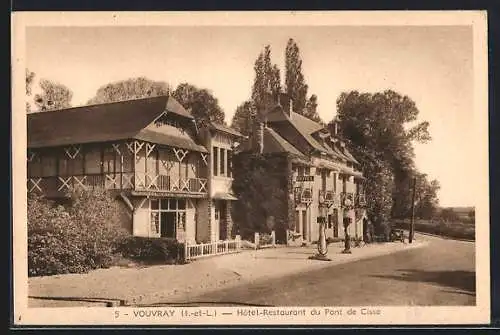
x=412, y=222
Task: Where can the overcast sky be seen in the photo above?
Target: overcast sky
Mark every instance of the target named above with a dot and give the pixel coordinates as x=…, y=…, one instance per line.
x=432, y=65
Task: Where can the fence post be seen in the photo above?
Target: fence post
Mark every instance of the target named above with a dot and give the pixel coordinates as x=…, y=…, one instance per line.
x=273, y=238
x=256, y=240
x=226, y=246
x=186, y=251
x=238, y=242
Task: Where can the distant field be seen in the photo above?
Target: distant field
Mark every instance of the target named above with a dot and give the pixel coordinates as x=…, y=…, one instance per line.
x=457, y=229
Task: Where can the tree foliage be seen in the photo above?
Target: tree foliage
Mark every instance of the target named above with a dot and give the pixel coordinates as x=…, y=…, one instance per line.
x=53, y=96
x=267, y=83
x=295, y=84
x=261, y=187
x=310, y=110
x=241, y=120
x=30, y=77
x=201, y=102
x=375, y=128
x=132, y=88
x=73, y=239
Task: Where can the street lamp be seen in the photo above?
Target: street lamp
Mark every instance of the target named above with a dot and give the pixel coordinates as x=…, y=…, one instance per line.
x=322, y=245
x=347, y=221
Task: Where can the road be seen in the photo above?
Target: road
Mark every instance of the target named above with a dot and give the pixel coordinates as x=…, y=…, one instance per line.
x=441, y=273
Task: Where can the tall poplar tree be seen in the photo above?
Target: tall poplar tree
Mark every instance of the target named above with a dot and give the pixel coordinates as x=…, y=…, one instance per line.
x=295, y=84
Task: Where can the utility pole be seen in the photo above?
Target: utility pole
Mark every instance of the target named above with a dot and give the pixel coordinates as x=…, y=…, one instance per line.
x=412, y=222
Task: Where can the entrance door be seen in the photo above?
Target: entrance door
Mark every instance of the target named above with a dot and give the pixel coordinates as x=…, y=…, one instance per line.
x=221, y=222
x=168, y=223
x=296, y=227
x=304, y=224
x=216, y=228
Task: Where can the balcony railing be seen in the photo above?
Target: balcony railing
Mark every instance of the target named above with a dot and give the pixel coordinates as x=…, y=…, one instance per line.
x=118, y=181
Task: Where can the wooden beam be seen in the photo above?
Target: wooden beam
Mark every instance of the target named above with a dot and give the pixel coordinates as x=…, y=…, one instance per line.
x=127, y=201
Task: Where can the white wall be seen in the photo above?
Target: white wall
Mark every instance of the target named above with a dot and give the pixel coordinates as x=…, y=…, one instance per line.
x=141, y=219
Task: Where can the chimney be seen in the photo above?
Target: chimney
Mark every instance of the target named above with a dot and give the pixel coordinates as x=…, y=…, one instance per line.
x=286, y=103
x=257, y=132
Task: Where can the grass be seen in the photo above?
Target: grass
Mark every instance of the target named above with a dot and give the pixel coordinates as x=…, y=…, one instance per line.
x=456, y=229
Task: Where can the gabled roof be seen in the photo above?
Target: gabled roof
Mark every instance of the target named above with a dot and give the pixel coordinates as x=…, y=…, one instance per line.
x=273, y=142
x=303, y=125
x=225, y=129
x=104, y=122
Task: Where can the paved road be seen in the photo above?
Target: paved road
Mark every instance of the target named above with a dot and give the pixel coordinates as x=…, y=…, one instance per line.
x=442, y=273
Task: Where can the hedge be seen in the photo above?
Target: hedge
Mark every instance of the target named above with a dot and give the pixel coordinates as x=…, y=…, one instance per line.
x=80, y=236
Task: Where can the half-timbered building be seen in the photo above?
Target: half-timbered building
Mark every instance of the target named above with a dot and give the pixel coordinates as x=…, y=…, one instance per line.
x=149, y=152
x=323, y=176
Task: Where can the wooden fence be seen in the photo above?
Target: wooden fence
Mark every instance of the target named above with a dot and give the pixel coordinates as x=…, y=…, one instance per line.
x=262, y=240
x=193, y=251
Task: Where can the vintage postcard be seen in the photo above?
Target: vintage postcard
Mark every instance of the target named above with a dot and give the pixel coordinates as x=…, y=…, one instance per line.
x=250, y=168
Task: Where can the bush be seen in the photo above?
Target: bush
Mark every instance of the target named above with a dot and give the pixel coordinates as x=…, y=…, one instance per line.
x=152, y=249
x=75, y=238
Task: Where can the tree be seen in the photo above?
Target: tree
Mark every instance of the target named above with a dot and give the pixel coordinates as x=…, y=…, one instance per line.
x=427, y=200
x=449, y=215
x=132, y=88
x=311, y=109
x=53, y=96
x=294, y=79
x=30, y=77
x=267, y=83
x=296, y=86
x=201, y=102
x=241, y=120
x=265, y=91
x=374, y=129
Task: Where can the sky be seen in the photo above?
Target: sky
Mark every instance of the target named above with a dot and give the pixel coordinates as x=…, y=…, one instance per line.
x=430, y=64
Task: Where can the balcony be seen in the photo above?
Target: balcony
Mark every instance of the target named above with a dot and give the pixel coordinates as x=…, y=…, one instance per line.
x=137, y=182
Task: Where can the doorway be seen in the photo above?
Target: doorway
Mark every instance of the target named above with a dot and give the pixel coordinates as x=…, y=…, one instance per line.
x=296, y=227
x=220, y=210
x=168, y=223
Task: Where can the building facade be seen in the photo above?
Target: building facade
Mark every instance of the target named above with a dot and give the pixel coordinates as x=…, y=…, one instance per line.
x=324, y=178
x=150, y=153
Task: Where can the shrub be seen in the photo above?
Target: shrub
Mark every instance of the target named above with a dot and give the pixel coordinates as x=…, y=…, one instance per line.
x=152, y=249
x=75, y=238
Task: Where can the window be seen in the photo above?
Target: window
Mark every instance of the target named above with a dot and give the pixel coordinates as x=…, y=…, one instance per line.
x=215, y=160
x=344, y=185
x=167, y=216
x=108, y=165
x=335, y=182
x=222, y=164
x=49, y=166
x=229, y=163
x=35, y=167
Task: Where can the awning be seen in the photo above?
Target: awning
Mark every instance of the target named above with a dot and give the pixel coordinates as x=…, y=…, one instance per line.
x=224, y=196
